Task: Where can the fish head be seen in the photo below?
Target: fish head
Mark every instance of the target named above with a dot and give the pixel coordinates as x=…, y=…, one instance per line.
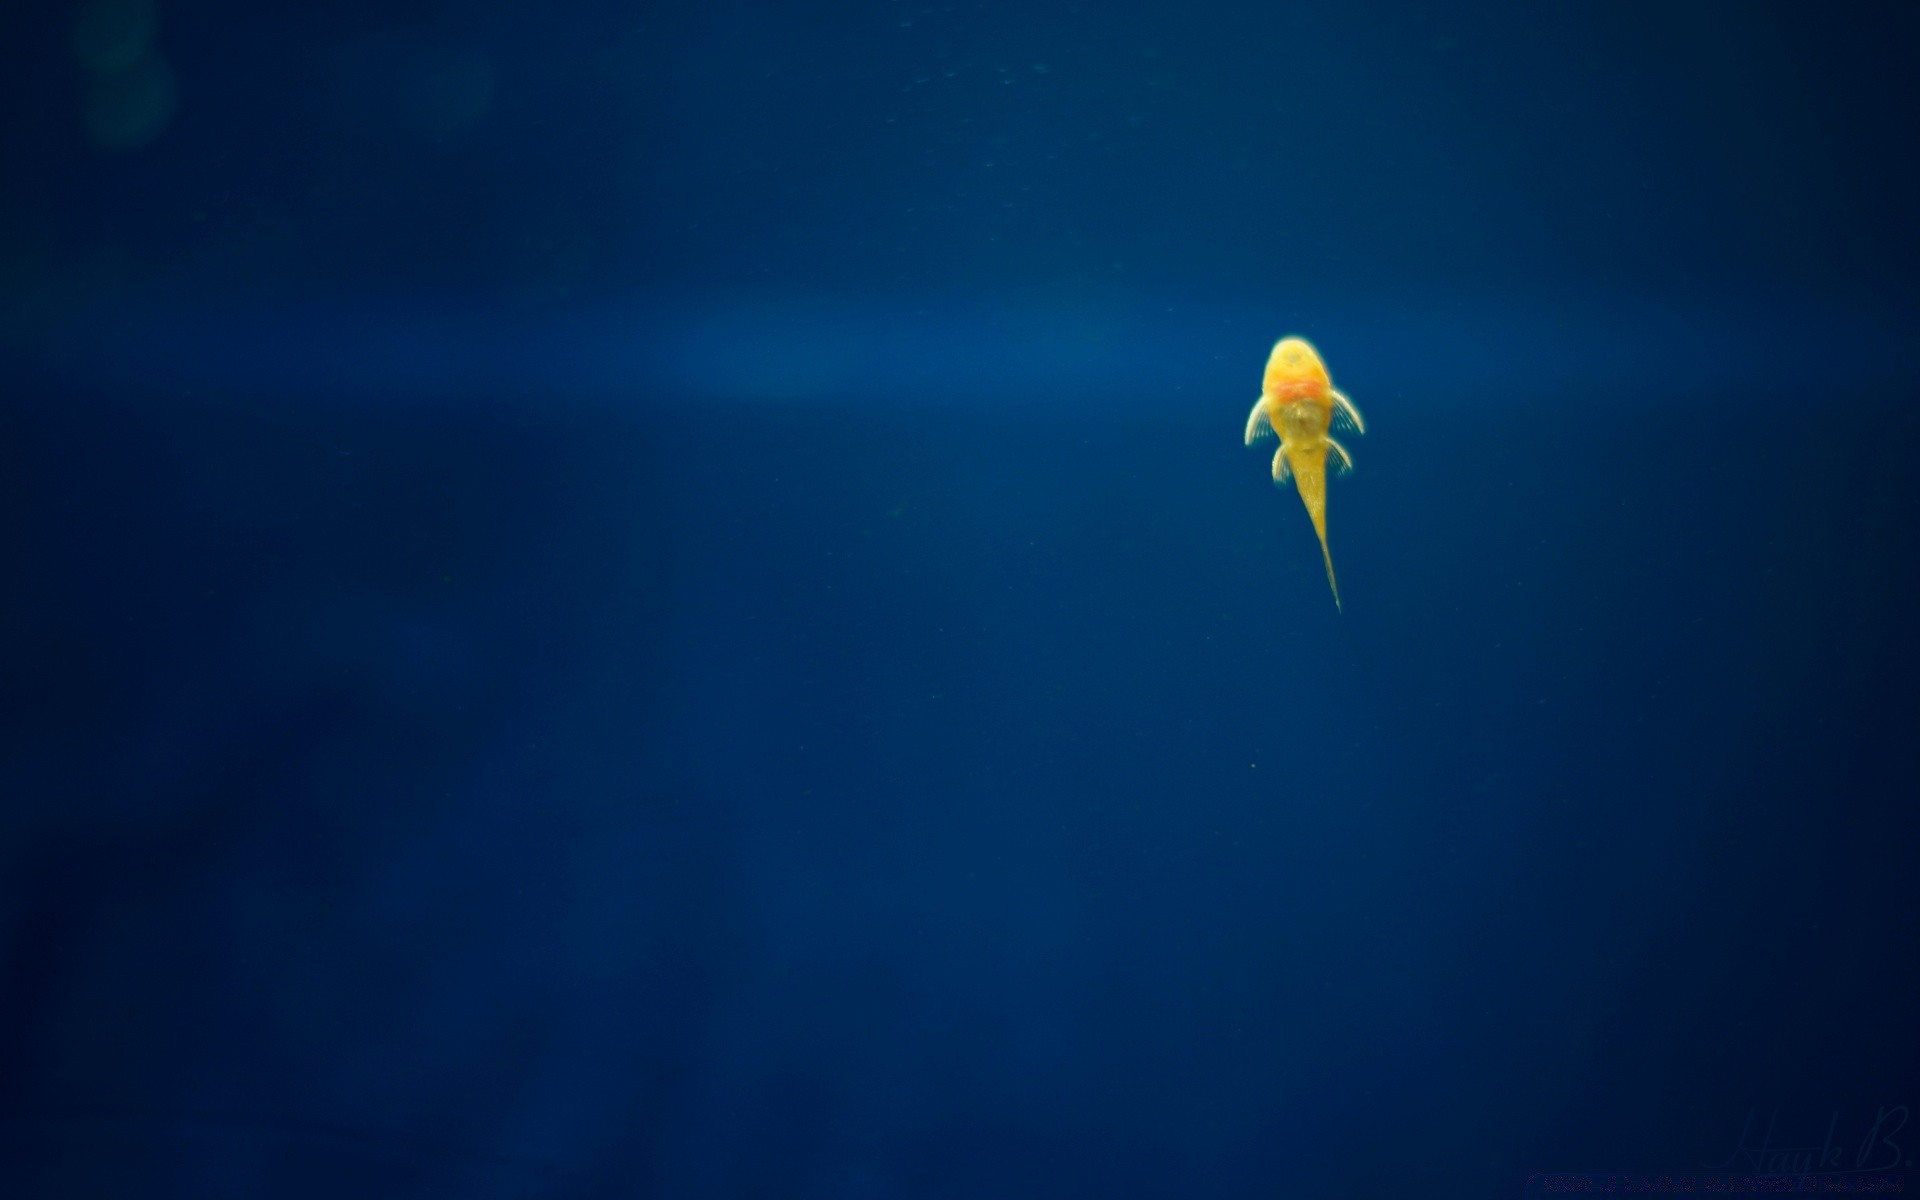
x=1295, y=372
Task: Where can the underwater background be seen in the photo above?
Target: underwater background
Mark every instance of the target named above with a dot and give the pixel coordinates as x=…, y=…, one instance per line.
x=665, y=599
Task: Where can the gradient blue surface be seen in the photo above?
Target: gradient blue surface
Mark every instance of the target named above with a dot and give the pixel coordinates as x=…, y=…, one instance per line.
x=664, y=600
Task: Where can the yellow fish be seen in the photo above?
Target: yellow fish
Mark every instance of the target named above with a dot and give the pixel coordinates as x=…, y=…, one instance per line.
x=1298, y=402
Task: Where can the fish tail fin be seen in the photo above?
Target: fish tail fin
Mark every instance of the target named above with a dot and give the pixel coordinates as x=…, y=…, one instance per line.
x=1310, y=478
x=1327, y=557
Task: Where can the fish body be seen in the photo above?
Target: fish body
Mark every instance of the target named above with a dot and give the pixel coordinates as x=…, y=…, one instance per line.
x=1299, y=404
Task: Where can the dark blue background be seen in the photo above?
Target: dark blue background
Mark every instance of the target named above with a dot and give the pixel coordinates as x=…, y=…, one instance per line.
x=665, y=600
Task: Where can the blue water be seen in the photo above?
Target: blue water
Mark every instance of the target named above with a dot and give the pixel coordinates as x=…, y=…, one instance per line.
x=666, y=600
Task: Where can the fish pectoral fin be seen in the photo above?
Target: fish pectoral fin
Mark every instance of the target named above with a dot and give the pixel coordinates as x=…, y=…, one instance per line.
x=1281, y=471
x=1340, y=452
x=1259, y=425
x=1345, y=415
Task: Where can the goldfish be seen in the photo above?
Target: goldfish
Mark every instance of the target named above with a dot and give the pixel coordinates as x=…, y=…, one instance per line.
x=1299, y=403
